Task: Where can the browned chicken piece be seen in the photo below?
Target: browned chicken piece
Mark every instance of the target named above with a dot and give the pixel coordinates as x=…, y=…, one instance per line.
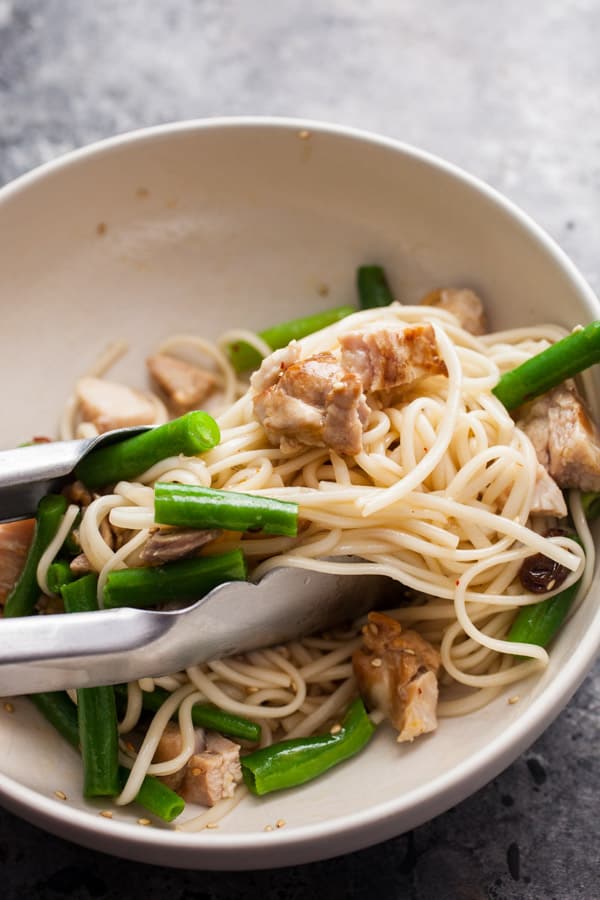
x=462, y=303
x=389, y=357
x=566, y=440
x=213, y=774
x=110, y=405
x=167, y=544
x=15, y=538
x=80, y=565
x=273, y=366
x=212, y=771
x=397, y=672
x=186, y=386
x=313, y=402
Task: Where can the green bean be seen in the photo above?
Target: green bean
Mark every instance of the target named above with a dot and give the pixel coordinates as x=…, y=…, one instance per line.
x=203, y=715
x=539, y=623
x=186, y=579
x=190, y=434
x=373, y=287
x=193, y=506
x=59, y=573
x=96, y=710
x=296, y=761
x=155, y=796
x=244, y=357
x=565, y=358
x=26, y=593
x=61, y=713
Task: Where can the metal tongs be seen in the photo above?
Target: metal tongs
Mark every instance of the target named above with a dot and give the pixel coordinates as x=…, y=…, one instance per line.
x=53, y=652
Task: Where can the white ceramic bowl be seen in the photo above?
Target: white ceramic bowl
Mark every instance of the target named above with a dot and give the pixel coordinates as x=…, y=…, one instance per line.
x=225, y=223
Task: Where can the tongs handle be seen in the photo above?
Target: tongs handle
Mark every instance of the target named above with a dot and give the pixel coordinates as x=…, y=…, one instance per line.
x=45, y=653
x=29, y=473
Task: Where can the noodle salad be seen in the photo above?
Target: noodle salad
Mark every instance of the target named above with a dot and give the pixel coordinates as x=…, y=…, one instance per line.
x=404, y=441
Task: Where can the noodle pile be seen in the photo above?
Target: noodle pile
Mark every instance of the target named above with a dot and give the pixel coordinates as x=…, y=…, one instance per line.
x=438, y=499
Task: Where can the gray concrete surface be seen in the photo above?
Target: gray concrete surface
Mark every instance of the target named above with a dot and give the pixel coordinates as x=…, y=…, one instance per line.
x=508, y=90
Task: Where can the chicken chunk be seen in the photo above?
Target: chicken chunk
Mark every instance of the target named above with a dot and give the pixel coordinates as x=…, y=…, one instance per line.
x=273, y=366
x=397, y=672
x=547, y=499
x=212, y=771
x=186, y=386
x=313, y=402
x=109, y=405
x=167, y=544
x=80, y=565
x=462, y=303
x=566, y=441
x=389, y=357
x=15, y=538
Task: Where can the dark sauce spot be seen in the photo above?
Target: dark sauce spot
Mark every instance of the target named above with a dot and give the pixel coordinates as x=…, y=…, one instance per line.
x=537, y=771
x=513, y=860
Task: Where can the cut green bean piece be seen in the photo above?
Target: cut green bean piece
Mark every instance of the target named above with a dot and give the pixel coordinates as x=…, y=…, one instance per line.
x=296, y=761
x=566, y=358
x=539, y=623
x=26, y=593
x=155, y=796
x=59, y=573
x=61, y=713
x=204, y=715
x=186, y=579
x=193, y=506
x=244, y=357
x=191, y=434
x=373, y=287
x=96, y=710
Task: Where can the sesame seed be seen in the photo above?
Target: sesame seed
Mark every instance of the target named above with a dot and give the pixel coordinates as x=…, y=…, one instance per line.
x=335, y=729
x=303, y=135
x=373, y=628
x=410, y=651
x=514, y=699
x=60, y=795
x=268, y=828
x=9, y=708
x=212, y=825
x=101, y=228
x=280, y=823
x=551, y=584
x=106, y=813
x=144, y=822
x=376, y=663
x=196, y=771
x=252, y=690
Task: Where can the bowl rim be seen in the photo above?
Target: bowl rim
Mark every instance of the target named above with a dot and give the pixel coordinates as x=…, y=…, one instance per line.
x=375, y=823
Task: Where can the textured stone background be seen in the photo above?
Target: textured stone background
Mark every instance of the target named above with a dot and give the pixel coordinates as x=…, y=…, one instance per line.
x=508, y=90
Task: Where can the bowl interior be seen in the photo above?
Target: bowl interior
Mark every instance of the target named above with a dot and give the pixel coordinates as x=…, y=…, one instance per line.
x=199, y=228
